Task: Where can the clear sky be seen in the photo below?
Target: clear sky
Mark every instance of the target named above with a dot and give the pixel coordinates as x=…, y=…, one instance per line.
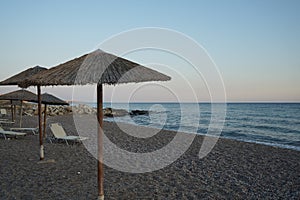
x=255, y=44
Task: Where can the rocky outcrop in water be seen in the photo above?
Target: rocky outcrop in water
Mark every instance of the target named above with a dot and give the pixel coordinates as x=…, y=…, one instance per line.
x=139, y=112
x=110, y=112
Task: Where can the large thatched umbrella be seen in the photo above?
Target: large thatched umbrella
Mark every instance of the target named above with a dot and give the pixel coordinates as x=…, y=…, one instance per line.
x=18, y=78
x=99, y=68
x=19, y=95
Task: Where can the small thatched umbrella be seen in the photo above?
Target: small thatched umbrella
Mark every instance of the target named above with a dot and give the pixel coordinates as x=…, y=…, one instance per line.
x=24, y=95
x=20, y=95
x=49, y=99
x=18, y=78
x=98, y=68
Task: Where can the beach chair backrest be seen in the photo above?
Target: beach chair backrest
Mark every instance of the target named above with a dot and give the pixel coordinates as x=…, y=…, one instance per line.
x=57, y=130
x=1, y=129
x=3, y=111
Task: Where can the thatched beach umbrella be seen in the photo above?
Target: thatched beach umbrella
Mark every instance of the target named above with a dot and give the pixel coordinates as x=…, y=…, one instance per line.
x=99, y=68
x=18, y=78
x=24, y=95
x=49, y=99
x=20, y=95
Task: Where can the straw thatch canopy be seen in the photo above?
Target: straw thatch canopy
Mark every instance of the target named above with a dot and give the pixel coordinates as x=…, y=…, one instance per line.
x=52, y=100
x=16, y=79
x=10, y=102
x=95, y=68
x=22, y=95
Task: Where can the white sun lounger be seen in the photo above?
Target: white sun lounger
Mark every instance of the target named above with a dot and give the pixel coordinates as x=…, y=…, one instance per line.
x=59, y=133
x=33, y=130
x=10, y=133
x=6, y=122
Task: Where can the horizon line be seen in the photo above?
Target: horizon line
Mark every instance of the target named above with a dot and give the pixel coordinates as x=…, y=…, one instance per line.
x=70, y=101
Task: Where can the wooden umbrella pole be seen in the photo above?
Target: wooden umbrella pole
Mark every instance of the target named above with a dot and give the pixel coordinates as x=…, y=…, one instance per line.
x=15, y=112
x=12, y=110
x=45, y=119
x=40, y=122
x=21, y=113
x=100, y=141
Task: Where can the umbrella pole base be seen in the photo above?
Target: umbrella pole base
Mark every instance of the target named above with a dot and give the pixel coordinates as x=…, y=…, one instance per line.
x=42, y=152
x=101, y=197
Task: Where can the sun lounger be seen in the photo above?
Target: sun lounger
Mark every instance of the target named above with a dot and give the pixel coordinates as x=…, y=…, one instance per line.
x=33, y=130
x=60, y=134
x=6, y=122
x=10, y=133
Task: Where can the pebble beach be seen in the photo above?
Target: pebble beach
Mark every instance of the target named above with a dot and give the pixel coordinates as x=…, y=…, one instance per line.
x=232, y=170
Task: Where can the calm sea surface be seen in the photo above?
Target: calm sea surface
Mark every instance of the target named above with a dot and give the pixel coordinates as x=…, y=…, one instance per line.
x=276, y=124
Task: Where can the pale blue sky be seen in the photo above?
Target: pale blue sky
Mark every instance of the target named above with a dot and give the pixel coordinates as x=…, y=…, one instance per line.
x=255, y=44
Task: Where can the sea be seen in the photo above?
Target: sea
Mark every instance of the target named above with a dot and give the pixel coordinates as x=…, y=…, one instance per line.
x=275, y=124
